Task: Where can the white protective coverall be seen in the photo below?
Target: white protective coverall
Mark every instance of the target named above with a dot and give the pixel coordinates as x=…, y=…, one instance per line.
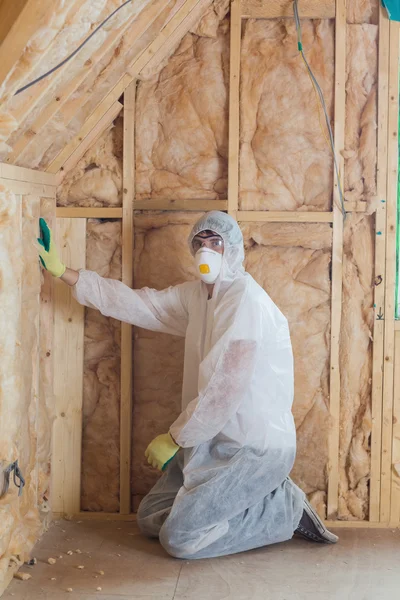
x=228, y=489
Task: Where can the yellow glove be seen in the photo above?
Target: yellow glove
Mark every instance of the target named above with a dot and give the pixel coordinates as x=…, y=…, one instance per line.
x=161, y=451
x=48, y=252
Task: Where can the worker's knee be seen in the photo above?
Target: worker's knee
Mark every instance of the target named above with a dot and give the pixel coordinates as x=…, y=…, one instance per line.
x=145, y=519
x=174, y=543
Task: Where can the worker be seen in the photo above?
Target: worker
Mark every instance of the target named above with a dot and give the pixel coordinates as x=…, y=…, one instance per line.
x=226, y=460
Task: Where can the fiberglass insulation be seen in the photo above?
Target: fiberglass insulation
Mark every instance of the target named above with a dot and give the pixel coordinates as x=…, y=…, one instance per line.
x=182, y=122
x=285, y=162
x=97, y=178
x=20, y=424
x=101, y=383
x=64, y=27
x=103, y=75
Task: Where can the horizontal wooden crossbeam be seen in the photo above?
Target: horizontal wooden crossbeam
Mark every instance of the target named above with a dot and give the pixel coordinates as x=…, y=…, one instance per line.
x=272, y=9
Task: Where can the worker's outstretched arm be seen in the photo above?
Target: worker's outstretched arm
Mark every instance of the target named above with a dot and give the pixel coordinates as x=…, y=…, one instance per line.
x=163, y=311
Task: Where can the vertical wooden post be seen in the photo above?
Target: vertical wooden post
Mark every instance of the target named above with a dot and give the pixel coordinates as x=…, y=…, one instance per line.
x=391, y=214
x=395, y=504
x=46, y=350
x=379, y=292
x=234, y=116
x=127, y=278
x=337, y=260
x=68, y=373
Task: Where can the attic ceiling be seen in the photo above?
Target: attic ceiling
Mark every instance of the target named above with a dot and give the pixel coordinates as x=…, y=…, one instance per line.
x=37, y=123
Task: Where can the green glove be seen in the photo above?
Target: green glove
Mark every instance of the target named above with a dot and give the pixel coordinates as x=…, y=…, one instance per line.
x=161, y=451
x=48, y=252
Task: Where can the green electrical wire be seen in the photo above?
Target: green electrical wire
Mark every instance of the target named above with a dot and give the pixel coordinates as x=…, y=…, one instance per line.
x=322, y=101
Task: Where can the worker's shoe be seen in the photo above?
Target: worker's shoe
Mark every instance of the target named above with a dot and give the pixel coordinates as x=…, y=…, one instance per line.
x=312, y=528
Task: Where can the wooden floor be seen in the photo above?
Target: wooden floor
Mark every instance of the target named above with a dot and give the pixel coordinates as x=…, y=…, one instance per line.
x=365, y=565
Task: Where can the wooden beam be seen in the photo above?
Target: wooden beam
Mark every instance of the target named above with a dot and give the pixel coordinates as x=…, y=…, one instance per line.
x=26, y=187
x=91, y=138
x=337, y=262
x=168, y=39
x=77, y=212
x=135, y=29
x=395, y=504
x=95, y=516
x=104, y=106
x=234, y=115
x=273, y=9
x=284, y=216
x=359, y=525
x=380, y=251
x=397, y=325
x=46, y=350
x=390, y=283
x=19, y=20
x=187, y=205
x=90, y=132
x=68, y=378
x=128, y=188
x=29, y=175
x=120, y=87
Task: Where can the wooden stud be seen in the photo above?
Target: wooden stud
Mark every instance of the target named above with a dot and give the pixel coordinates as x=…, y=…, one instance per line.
x=26, y=187
x=273, y=9
x=19, y=20
x=186, y=205
x=68, y=377
x=284, y=216
x=46, y=329
x=390, y=283
x=128, y=187
x=136, y=29
x=337, y=262
x=77, y=212
x=28, y=175
x=234, y=115
x=395, y=504
x=379, y=290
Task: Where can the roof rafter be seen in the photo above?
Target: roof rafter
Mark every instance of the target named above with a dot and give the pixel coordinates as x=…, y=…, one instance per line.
x=164, y=43
x=42, y=87
x=134, y=28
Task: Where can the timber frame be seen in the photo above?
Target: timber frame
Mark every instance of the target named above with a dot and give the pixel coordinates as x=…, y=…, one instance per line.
x=71, y=226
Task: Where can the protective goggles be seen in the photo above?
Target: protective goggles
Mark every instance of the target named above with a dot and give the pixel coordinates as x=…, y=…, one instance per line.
x=213, y=242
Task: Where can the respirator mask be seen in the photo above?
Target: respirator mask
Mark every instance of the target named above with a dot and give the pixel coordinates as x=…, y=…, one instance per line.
x=208, y=264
